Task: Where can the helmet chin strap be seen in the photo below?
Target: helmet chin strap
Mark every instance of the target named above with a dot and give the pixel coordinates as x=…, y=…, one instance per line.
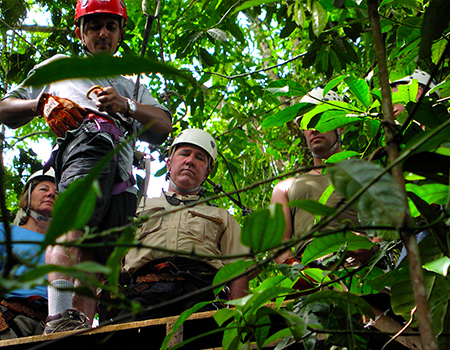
x=331, y=149
x=176, y=187
x=39, y=217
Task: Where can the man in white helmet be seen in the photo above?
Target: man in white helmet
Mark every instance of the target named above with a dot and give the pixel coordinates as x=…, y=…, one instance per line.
x=312, y=185
x=423, y=79
x=202, y=232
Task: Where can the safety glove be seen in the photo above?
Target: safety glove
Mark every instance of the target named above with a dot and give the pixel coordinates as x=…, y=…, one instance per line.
x=61, y=114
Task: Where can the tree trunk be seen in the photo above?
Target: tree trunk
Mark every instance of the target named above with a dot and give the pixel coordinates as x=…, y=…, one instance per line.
x=427, y=336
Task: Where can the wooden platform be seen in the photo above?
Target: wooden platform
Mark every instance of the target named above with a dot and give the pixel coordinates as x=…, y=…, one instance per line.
x=149, y=334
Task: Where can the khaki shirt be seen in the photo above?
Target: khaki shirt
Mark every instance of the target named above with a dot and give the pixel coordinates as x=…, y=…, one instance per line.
x=308, y=186
x=202, y=229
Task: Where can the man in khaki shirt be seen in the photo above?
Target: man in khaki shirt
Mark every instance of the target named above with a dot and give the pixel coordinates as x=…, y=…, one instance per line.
x=314, y=185
x=177, y=226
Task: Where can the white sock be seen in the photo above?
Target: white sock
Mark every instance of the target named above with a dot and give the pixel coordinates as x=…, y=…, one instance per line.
x=59, y=300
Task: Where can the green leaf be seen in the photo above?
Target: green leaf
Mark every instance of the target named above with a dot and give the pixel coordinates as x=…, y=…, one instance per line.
x=329, y=111
x=319, y=18
x=324, y=61
x=206, y=57
x=360, y=89
x=335, y=61
x=161, y=171
x=432, y=165
x=269, y=283
x=285, y=115
x=333, y=83
x=251, y=3
x=429, y=214
x=289, y=27
x=72, y=209
x=99, y=66
x=284, y=333
x=439, y=266
x=429, y=140
x=183, y=317
x=264, y=229
x=262, y=325
x=334, y=119
x=410, y=3
x=285, y=87
x=231, y=338
x=218, y=34
x=384, y=201
x=261, y=298
x=340, y=156
x=124, y=242
x=347, y=301
x=435, y=22
x=296, y=324
x=228, y=272
x=83, y=271
x=437, y=287
x=223, y=315
x=299, y=16
x=324, y=245
x=430, y=193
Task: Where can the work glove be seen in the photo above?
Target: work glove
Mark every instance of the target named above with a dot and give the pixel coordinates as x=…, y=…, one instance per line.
x=61, y=114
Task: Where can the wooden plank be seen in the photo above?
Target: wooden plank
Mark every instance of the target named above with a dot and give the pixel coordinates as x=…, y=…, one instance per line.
x=121, y=333
x=151, y=333
x=386, y=324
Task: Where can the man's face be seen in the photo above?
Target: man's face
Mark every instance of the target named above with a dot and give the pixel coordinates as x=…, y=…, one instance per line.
x=101, y=34
x=319, y=143
x=188, y=166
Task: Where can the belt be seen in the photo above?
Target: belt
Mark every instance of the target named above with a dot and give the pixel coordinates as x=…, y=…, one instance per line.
x=156, y=277
x=24, y=309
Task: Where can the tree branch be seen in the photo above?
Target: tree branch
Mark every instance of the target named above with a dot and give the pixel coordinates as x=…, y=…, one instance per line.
x=427, y=336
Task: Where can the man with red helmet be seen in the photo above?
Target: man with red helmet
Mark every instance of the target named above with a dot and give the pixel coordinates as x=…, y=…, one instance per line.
x=89, y=129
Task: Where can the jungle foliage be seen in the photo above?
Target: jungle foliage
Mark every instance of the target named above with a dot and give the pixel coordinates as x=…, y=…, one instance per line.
x=238, y=69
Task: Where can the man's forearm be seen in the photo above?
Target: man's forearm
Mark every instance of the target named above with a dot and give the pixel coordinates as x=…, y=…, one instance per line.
x=15, y=112
x=156, y=117
x=239, y=287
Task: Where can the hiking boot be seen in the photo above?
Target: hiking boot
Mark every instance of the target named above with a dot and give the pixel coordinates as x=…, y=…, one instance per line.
x=67, y=320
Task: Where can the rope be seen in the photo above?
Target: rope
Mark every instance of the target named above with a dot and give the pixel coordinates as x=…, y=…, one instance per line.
x=146, y=36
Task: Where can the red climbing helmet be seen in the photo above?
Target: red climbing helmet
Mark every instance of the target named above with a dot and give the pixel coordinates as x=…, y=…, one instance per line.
x=92, y=7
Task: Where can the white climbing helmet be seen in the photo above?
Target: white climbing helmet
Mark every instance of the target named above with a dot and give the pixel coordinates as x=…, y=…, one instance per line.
x=49, y=175
x=199, y=138
x=316, y=96
x=421, y=76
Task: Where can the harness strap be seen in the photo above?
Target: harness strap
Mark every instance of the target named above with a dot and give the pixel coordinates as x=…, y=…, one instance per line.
x=123, y=186
x=108, y=126
x=105, y=125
